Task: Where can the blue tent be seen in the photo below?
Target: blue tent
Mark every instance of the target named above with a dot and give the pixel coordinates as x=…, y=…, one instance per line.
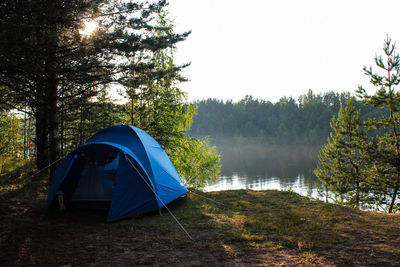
x=121, y=168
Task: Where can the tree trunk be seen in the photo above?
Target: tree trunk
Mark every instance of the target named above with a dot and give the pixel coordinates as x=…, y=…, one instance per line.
x=29, y=138
x=25, y=134
x=358, y=193
x=52, y=97
x=395, y=192
x=81, y=125
x=62, y=125
x=54, y=122
x=42, y=145
x=131, y=111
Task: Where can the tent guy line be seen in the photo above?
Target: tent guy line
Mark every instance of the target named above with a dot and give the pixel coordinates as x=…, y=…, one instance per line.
x=210, y=199
x=48, y=166
x=165, y=206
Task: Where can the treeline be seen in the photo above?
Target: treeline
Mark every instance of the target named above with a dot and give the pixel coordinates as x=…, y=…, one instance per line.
x=305, y=121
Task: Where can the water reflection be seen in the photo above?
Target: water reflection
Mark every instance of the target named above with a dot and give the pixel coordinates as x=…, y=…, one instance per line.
x=261, y=167
x=299, y=184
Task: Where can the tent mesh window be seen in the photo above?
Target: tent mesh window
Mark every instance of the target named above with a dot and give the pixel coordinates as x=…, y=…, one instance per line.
x=96, y=185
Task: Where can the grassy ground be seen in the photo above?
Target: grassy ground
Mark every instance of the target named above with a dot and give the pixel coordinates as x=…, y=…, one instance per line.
x=264, y=228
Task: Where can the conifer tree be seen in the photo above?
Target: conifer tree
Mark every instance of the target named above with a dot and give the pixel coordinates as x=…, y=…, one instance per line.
x=341, y=161
x=161, y=108
x=158, y=106
x=385, y=155
x=46, y=58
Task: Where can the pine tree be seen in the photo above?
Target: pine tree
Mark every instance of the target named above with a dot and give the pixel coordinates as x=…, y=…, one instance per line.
x=45, y=58
x=385, y=174
x=341, y=161
x=158, y=106
x=161, y=108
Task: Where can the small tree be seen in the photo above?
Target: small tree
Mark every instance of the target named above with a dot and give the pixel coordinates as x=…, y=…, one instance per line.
x=385, y=174
x=340, y=167
x=196, y=161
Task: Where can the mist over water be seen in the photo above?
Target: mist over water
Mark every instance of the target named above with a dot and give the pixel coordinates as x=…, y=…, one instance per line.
x=264, y=167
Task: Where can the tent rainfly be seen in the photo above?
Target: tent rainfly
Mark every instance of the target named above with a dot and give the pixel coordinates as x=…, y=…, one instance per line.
x=122, y=169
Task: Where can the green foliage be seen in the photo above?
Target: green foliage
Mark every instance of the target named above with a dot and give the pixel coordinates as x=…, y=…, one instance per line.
x=158, y=106
x=63, y=76
x=47, y=62
x=341, y=165
x=161, y=108
x=196, y=161
x=384, y=175
x=364, y=168
x=11, y=135
x=16, y=183
x=85, y=117
x=165, y=114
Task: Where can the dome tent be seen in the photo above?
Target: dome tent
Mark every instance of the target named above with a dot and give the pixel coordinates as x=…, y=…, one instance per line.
x=122, y=167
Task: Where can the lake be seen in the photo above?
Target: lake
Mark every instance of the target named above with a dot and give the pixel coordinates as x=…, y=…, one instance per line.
x=263, y=167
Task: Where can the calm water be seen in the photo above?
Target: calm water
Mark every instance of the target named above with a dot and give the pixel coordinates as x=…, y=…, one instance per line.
x=260, y=167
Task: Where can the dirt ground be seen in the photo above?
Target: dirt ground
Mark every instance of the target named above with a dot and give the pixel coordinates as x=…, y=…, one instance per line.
x=77, y=238
x=82, y=238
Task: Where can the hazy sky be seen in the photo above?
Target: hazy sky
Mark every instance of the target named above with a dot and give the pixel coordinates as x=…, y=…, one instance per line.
x=270, y=49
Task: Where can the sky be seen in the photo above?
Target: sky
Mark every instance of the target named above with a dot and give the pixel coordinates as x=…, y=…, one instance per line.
x=271, y=49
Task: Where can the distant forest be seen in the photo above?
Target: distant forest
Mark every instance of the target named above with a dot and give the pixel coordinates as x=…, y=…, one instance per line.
x=286, y=122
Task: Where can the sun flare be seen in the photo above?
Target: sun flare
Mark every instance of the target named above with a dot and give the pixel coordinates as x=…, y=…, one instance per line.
x=90, y=27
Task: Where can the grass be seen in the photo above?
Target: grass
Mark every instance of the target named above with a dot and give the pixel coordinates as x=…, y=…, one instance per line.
x=18, y=181
x=242, y=223
x=248, y=221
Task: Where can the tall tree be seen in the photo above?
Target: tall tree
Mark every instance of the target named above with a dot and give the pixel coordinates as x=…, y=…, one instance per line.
x=159, y=106
x=385, y=175
x=162, y=109
x=44, y=51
